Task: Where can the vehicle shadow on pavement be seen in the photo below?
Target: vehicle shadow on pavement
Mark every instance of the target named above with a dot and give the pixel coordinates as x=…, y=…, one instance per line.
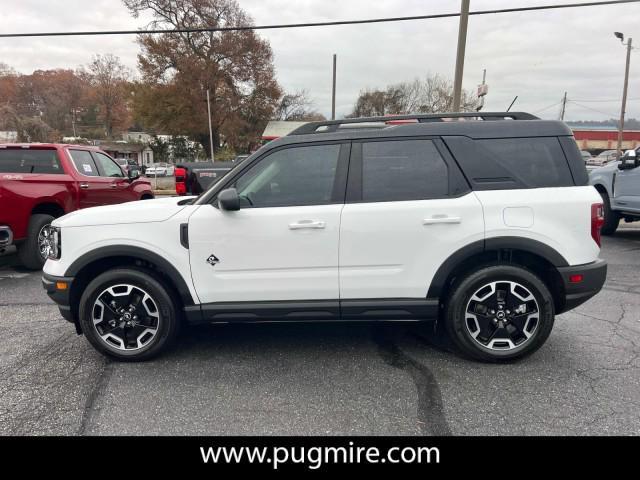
x=307, y=335
x=363, y=373
x=627, y=234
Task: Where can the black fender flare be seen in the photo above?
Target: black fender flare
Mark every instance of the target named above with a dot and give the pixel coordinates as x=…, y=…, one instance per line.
x=494, y=243
x=136, y=252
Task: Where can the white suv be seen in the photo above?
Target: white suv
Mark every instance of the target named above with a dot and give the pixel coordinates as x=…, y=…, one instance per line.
x=484, y=222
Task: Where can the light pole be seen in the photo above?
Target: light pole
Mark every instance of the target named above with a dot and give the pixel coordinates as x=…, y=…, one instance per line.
x=624, y=92
x=333, y=90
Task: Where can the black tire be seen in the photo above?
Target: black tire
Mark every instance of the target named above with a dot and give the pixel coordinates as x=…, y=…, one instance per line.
x=168, y=321
x=611, y=218
x=458, y=323
x=29, y=251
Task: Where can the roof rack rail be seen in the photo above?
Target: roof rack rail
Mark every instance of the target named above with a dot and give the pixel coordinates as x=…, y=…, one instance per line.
x=328, y=126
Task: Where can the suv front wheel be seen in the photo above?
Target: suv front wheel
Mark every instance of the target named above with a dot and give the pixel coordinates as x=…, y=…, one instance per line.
x=128, y=314
x=33, y=252
x=499, y=313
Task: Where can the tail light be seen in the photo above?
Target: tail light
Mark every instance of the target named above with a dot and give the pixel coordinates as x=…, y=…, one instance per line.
x=597, y=221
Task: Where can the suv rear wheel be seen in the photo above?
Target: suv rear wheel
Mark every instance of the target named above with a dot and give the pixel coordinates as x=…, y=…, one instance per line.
x=128, y=314
x=499, y=313
x=33, y=252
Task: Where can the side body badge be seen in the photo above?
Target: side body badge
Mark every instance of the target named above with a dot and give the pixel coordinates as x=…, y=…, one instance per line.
x=212, y=260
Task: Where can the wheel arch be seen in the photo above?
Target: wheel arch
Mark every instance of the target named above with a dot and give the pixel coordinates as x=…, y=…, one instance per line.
x=533, y=255
x=92, y=263
x=601, y=188
x=48, y=207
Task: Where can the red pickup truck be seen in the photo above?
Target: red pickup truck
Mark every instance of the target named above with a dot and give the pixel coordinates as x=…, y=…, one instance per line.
x=40, y=182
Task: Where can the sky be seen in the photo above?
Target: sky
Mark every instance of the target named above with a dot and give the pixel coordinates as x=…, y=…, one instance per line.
x=534, y=55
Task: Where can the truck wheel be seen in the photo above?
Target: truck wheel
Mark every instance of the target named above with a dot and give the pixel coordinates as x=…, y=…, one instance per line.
x=33, y=252
x=128, y=314
x=499, y=313
x=611, y=217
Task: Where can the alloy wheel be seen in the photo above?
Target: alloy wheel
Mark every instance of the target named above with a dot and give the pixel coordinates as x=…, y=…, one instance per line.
x=502, y=315
x=45, y=241
x=126, y=317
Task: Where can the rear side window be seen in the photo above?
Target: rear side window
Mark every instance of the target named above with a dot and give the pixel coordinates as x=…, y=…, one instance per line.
x=403, y=170
x=25, y=160
x=84, y=162
x=527, y=162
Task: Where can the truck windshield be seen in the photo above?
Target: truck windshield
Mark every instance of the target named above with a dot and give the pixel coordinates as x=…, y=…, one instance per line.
x=25, y=160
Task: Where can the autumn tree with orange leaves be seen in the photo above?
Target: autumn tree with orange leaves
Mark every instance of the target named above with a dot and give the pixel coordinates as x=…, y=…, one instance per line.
x=177, y=70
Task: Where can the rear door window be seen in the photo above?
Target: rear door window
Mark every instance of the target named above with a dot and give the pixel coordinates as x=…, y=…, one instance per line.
x=403, y=170
x=84, y=163
x=26, y=160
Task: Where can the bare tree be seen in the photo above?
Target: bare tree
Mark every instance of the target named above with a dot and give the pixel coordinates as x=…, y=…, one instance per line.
x=297, y=107
x=110, y=79
x=434, y=94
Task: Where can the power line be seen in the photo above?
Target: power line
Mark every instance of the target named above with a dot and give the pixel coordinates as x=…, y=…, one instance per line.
x=605, y=101
x=547, y=108
x=593, y=109
x=317, y=24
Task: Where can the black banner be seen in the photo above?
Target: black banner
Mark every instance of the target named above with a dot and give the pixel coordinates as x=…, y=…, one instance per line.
x=208, y=455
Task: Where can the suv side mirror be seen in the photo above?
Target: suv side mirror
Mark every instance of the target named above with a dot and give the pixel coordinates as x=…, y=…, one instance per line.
x=229, y=200
x=628, y=161
x=132, y=174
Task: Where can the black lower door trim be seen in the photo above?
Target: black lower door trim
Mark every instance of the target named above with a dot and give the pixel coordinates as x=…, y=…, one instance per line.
x=315, y=310
x=389, y=309
x=276, y=311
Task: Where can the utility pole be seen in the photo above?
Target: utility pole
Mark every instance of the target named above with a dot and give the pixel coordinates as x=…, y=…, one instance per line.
x=73, y=121
x=210, y=130
x=333, y=90
x=624, y=93
x=462, y=42
x=483, y=89
x=564, y=106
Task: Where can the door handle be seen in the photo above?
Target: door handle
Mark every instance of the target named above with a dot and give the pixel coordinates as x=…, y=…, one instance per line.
x=441, y=219
x=315, y=224
x=113, y=185
x=84, y=186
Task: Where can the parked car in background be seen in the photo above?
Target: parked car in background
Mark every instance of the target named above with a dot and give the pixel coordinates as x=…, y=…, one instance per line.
x=160, y=170
x=127, y=164
x=602, y=158
x=586, y=156
x=41, y=182
x=201, y=175
x=619, y=186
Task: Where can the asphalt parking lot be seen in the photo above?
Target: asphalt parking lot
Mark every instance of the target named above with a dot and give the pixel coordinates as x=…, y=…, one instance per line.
x=325, y=379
